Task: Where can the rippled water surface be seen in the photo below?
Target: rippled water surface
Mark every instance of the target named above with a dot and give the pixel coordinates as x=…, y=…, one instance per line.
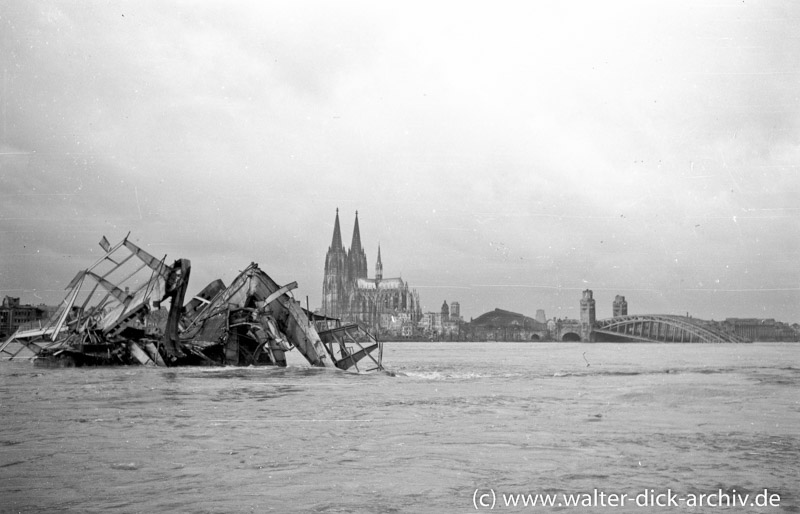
x=450, y=419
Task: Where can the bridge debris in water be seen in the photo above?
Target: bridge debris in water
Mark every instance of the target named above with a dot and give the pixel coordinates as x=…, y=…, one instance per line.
x=113, y=314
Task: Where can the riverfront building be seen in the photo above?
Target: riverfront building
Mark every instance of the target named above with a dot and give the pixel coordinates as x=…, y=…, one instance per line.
x=13, y=315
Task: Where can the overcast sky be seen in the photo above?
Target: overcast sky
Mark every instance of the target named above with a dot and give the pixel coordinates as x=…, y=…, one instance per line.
x=503, y=154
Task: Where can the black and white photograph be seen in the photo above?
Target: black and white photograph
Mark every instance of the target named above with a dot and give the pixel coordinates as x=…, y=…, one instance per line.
x=399, y=257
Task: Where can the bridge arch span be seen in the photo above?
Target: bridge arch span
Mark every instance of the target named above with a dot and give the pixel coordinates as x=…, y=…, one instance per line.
x=661, y=328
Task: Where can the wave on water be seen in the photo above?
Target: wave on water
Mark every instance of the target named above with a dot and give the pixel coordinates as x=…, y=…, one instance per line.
x=450, y=375
x=755, y=371
x=456, y=375
x=672, y=371
x=257, y=372
x=761, y=375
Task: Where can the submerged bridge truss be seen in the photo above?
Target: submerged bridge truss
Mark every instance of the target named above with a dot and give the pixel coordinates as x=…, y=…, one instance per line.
x=661, y=328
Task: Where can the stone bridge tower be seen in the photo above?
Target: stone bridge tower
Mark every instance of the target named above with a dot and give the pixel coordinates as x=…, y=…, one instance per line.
x=620, y=306
x=588, y=317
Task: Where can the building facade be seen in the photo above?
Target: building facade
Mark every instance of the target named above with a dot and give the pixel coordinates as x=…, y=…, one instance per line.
x=14, y=315
x=756, y=329
x=387, y=305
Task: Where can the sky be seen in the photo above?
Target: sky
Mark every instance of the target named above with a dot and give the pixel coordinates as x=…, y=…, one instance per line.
x=503, y=155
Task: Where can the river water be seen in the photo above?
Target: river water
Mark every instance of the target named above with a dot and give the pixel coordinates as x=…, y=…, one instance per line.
x=451, y=427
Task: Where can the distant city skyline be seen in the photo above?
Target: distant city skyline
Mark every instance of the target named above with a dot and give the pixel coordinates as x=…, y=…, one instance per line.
x=431, y=305
x=503, y=156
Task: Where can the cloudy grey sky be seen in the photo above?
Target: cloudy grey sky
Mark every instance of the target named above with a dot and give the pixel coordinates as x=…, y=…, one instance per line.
x=503, y=154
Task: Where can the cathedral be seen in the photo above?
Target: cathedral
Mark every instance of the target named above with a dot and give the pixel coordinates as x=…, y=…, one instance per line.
x=386, y=305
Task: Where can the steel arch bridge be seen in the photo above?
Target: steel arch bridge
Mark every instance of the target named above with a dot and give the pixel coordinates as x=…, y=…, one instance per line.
x=661, y=328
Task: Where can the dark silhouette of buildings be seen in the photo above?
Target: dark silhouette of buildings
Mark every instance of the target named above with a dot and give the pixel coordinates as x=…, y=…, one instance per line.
x=502, y=325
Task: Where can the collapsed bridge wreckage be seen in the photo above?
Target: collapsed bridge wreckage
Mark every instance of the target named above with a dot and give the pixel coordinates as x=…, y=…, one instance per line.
x=113, y=314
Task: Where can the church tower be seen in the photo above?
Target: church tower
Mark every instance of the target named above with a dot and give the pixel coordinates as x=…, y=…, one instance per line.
x=356, y=257
x=333, y=285
x=379, y=266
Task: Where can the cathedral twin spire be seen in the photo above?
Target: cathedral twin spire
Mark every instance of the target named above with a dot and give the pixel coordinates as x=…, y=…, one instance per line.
x=336, y=243
x=355, y=258
x=355, y=245
x=379, y=265
x=342, y=267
